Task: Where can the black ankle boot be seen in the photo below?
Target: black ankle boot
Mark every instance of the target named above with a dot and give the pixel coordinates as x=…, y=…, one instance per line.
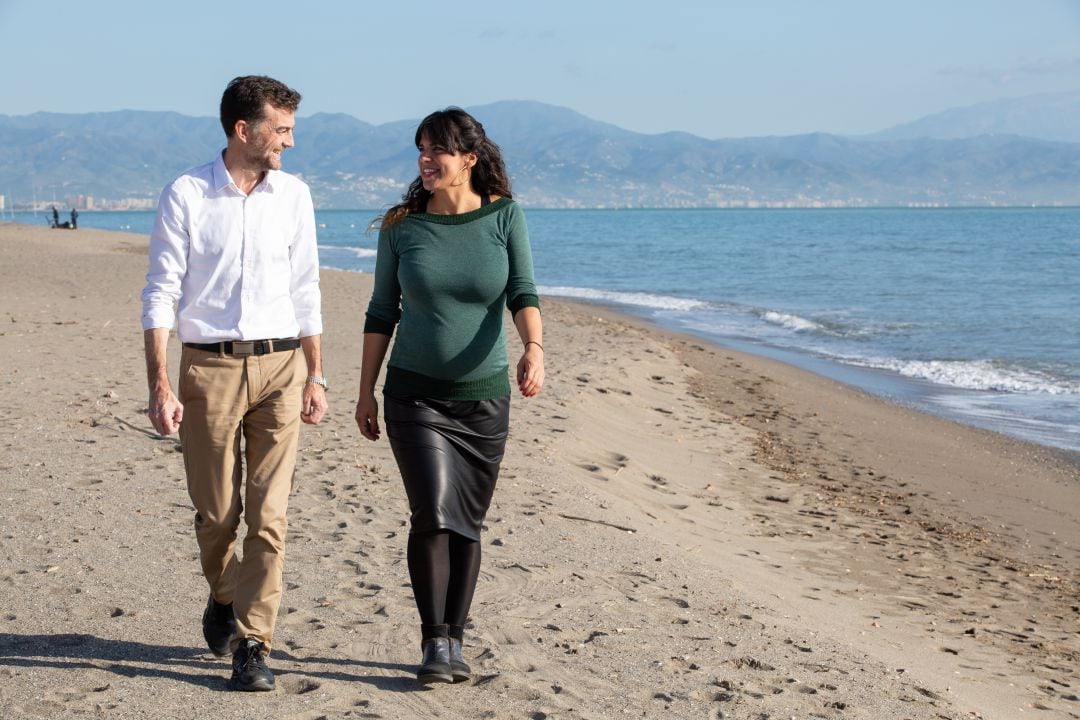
x=435, y=666
x=218, y=626
x=250, y=672
x=458, y=667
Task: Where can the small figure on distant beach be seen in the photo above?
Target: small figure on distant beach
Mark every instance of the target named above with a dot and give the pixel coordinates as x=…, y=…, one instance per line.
x=234, y=247
x=74, y=218
x=452, y=255
x=55, y=217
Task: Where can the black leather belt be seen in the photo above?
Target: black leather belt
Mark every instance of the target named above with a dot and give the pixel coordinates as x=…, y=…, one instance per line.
x=243, y=348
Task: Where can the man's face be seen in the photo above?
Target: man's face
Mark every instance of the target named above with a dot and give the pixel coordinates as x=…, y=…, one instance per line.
x=268, y=137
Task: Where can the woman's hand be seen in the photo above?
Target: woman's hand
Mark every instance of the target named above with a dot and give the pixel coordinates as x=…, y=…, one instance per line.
x=530, y=370
x=367, y=416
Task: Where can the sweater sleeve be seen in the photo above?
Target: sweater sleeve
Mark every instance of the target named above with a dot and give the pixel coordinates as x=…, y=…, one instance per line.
x=384, y=309
x=520, y=285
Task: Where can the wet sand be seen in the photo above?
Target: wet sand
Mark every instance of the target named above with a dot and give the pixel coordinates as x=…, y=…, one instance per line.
x=679, y=531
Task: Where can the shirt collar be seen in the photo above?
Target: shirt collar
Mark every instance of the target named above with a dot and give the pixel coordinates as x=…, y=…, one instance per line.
x=223, y=180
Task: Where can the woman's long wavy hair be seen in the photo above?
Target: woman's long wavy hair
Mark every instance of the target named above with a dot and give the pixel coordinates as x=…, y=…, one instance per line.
x=457, y=131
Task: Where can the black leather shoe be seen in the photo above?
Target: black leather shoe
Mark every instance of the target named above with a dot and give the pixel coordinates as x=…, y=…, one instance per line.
x=459, y=669
x=435, y=667
x=249, y=670
x=218, y=626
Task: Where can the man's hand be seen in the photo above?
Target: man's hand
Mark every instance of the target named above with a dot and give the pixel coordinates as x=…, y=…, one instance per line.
x=314, y=404
x=165, y=411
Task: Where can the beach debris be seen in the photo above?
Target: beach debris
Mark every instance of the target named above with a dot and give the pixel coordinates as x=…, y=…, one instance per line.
x=750, y=662
x=777, y=498
x=597, y=522
x=593, y=635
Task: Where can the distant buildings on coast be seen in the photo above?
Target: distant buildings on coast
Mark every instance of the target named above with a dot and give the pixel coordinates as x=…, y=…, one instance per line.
x=78, y=202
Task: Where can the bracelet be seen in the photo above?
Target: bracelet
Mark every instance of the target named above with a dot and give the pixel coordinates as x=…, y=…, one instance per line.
x=533, y=342
x=317, y=380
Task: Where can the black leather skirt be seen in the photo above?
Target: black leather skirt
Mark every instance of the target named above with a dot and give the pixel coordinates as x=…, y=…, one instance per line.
x=448, y=452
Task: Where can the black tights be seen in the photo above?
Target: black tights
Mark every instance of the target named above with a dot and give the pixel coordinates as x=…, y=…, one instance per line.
x=443, y=567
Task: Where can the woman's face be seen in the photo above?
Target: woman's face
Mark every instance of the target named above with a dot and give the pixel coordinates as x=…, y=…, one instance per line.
x=441, y=169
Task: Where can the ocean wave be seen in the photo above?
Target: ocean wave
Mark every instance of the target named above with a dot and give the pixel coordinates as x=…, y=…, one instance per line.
x=638, y=299
x=834, y=326
x=974, y=375
x=791, y=322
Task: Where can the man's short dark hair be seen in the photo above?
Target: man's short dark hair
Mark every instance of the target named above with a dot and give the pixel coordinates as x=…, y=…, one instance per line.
x=246, y=97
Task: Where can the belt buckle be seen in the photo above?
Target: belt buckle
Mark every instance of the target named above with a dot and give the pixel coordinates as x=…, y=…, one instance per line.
x=243, y=348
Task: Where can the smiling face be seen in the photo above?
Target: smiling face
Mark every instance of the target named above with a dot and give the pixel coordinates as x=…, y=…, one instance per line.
x=267, y=138
x=441, y=169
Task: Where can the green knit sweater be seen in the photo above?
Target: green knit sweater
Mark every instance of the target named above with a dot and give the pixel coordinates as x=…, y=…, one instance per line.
x=444, y=280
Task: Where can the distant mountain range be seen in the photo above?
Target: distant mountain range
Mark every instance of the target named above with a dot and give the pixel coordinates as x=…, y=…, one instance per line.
x=1046, y=117
x=1010, y=152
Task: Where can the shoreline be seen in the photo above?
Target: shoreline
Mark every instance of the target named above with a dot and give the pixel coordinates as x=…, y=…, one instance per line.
x=1043, y=417
x=680, y=530
x=921, y=395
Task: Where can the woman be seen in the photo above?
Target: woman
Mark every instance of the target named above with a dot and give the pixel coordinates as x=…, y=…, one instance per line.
x=451, y=256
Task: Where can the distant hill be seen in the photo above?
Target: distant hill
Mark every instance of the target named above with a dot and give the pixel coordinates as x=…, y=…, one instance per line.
x=557, y=158
x=1054, y=117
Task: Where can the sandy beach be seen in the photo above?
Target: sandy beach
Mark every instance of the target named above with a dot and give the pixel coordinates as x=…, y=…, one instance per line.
x=680, y=530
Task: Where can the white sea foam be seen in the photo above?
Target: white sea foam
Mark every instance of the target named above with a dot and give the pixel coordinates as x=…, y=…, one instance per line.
x=791, y=322
x=647, y=300
x=974, y=375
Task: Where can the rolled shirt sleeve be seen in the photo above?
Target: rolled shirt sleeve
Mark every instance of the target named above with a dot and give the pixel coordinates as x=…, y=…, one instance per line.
x=304, y=258
x=168, y=261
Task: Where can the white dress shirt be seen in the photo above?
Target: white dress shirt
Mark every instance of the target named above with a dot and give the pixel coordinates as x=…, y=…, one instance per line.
x=242, y=267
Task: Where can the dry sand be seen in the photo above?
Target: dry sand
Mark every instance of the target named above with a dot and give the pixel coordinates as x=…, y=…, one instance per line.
x=679, y=531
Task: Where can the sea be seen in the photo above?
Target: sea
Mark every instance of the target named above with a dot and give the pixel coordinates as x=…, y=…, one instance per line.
x=968, y=313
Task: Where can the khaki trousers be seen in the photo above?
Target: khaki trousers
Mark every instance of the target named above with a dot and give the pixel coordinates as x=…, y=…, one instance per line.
x=256, y=398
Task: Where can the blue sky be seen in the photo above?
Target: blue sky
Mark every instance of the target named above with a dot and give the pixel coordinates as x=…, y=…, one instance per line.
x=716, y=69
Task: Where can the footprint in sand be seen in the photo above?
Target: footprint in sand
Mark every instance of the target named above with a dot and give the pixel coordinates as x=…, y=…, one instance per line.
x=298, y=686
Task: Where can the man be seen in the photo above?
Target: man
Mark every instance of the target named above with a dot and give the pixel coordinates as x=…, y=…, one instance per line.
x=234, y=246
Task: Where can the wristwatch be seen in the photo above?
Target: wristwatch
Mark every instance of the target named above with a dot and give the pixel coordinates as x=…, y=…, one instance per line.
x=317, y=380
